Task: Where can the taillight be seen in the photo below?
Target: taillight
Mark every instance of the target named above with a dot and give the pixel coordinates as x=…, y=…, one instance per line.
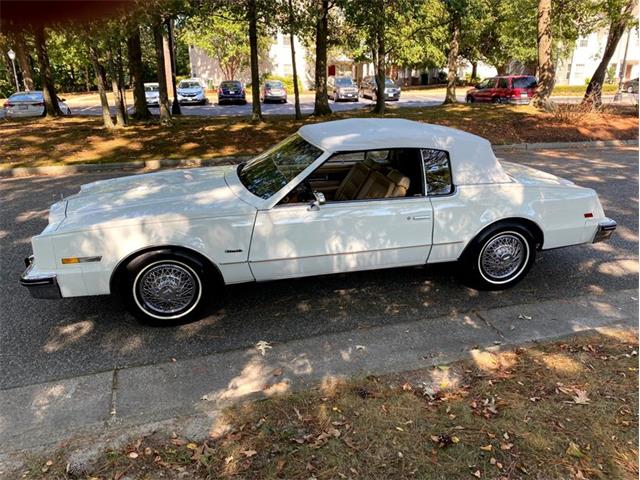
x=219, y=91
x=8, y=105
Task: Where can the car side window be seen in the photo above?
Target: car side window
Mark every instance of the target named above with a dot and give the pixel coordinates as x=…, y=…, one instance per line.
x=503, y=83
x=437, y=171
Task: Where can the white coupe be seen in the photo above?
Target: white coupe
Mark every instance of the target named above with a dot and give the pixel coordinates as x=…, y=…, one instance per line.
x=334, y=197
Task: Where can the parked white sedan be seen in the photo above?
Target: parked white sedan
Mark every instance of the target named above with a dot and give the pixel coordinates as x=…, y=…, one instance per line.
x=30, y=104
x=334, y=197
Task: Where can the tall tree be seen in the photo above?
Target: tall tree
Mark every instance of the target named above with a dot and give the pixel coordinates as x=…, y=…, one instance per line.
x=51, y=106
x=546, y=68
x=293, y=28
x=121, y=114
x=23, y=60
x=99, y=73
x=252, y=18
x=159, y=34
x=621, y=16
x=452, y=57
x=134, y=52
x=321, y=103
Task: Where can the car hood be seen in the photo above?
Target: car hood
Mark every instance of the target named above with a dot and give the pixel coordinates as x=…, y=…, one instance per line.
x=189, y=90
x=189, y=193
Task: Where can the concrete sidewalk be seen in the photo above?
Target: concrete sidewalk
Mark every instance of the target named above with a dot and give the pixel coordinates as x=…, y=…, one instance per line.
x=122, y=402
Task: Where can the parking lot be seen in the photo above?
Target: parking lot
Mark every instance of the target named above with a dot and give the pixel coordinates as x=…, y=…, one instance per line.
x=44, y=340
x=89, y=104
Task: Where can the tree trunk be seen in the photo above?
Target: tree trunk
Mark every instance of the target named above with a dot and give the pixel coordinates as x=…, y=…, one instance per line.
x=158, y=34
x=120, y=114
x=100, y=82
x=23, y=61
x=296, y=92
x=321, y=106
x=51, y=106
x=452, y=62
x=256, y=108
x=175, y=104
x=380, y=67
x=474, y=71
x=546, y=70
x=134, y=50
x=593, y=95
x=87, y=84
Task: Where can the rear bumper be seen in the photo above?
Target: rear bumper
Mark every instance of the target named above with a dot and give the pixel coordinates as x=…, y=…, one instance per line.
x=519, y=100
x=39, y=285
x=605, y=230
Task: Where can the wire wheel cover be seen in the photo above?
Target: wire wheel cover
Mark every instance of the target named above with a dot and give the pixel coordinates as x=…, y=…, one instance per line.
x=167, y=288
x=502, y=256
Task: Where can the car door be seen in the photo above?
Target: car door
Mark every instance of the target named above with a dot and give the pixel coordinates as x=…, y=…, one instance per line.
x=487, y=90
x=341, y=236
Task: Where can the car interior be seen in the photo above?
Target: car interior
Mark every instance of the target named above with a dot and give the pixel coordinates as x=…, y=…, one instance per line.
x=375, y=174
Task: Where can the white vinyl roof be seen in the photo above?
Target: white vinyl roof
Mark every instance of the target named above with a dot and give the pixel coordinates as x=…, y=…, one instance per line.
x=472, y=158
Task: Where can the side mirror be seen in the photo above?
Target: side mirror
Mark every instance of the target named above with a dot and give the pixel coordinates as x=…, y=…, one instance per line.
x=319, y=200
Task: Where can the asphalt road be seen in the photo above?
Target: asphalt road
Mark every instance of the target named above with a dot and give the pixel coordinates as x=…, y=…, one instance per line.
x=411, y=98
x=44, y=340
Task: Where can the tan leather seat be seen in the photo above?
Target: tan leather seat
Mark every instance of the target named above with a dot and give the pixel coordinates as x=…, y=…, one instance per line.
x=377, y=185
x=353, y=182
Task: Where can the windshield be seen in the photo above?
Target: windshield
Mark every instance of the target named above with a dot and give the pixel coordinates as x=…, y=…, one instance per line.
x=267, y=173
x=273, y=84
x=189, y=85
x=151, y=88
x=344, y=82
x=230, y=85
x=389, y=83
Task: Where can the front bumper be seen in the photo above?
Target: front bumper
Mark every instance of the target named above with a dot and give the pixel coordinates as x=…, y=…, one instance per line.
x=605, y=230
x=190, y=99
x=39, y=285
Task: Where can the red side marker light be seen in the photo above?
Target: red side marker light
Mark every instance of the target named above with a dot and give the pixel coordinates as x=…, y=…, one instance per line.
x=588, y=215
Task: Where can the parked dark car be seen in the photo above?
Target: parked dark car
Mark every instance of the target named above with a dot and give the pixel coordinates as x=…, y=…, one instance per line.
x=369, y=89
x=273, y=91
x=504, y=89
x=231, y=91
x=342, y=88
x=630, y=86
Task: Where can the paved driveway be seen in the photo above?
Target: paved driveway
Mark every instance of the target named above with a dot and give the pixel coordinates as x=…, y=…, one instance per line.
x=44, y=340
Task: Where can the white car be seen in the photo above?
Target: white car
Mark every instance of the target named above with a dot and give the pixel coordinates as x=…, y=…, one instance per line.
x=191, y=91
x=339, y=196
x=152, y=94
x=29, y=104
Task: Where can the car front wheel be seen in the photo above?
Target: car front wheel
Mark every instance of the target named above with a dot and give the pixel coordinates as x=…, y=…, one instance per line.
x=500, y=257
x=166, y=289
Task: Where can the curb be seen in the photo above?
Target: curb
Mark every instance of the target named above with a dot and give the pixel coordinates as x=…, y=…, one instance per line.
x=564, y=145
x=151, y=165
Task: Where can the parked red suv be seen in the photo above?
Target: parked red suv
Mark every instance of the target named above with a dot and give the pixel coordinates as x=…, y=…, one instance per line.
x=509, y=89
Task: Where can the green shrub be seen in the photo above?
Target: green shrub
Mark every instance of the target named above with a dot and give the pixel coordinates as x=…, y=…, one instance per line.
x=7, y=88
x=287, y=82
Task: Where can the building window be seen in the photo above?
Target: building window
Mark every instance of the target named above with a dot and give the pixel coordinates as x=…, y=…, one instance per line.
x=584, y=42
x=286, y=40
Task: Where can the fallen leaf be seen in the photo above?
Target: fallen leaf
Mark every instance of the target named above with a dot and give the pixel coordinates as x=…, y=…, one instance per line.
x=477, y=474
x=360, y=347
x=133, y=455
x=277, y=372
x=524, y=317
x=573, y=450
x=487, y=448
x=581, y=397
x=248, y=453
x=400, y=429
x=506, y=446
x=263, y=346
x=192, y=446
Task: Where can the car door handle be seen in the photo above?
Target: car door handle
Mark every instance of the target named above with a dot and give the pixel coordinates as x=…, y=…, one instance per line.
x=420, y=217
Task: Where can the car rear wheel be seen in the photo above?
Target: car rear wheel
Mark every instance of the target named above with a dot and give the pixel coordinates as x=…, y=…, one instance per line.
x=499, y=257
x=167, y=288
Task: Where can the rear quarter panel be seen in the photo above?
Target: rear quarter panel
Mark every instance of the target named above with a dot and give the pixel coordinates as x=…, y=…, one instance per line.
x=557, y=210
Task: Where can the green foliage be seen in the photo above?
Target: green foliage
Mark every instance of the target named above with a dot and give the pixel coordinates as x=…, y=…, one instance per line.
x=223, y=38
x=287, y=81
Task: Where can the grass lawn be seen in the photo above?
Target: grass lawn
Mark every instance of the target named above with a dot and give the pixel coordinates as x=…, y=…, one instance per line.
x=39, y=142
x=555, y=411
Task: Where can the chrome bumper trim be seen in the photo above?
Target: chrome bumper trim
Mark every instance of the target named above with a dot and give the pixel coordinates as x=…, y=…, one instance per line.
x=39, y=285
x=605, y=230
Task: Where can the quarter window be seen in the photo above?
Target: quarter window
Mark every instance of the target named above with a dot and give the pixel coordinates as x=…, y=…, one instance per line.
x=437, y=170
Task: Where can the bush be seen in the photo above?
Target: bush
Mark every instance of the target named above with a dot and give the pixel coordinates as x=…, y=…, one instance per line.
x=286, y=81
x=7, y=88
